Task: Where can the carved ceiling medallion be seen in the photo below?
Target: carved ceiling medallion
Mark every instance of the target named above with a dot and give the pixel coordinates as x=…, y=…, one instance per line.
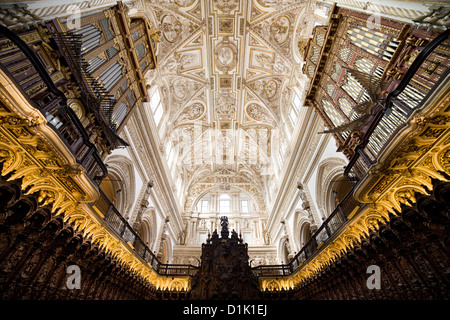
x=171, y=28
x=225, y=105
x=280, y=29
x=255, y=112
x=226, y=55
x=179, y=89
x=226, y=6
x=194, y=111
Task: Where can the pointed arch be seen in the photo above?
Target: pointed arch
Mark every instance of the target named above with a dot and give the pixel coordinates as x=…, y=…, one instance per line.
x=119, y=184
x=148, y=229
x=331, y=184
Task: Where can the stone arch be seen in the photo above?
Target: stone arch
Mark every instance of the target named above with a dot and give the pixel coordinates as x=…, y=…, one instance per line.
x=305, y=233
x=148, y=228
x=303, y=229
x=251, y=196
x=285, y=250
x=331, y=184
x=119, y=184
x=166, y=250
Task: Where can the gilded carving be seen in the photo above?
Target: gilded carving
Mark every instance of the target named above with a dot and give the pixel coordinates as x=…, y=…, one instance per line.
x=24, y=155
x=444, y=159
x=432, y=133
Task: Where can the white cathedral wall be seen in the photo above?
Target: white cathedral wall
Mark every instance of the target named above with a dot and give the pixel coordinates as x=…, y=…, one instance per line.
x=295, y=215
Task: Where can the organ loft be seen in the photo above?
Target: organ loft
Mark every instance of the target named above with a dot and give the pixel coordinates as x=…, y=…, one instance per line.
x=224, y=150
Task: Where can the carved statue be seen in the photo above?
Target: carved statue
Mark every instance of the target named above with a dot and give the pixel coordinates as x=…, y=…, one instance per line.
x=224, y=223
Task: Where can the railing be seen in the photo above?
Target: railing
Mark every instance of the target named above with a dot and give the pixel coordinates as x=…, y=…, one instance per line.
x=272, y=270
x=123, y=229
x=32, y=78
x=426, y=73
x=329, y=228
x=177, y=270
x=30, y=75
x=391, y=117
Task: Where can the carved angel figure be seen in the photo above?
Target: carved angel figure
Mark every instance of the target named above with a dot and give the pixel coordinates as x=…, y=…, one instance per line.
x=374, y=88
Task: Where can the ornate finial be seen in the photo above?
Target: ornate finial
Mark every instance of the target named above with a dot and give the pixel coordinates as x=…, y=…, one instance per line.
x=224, y=223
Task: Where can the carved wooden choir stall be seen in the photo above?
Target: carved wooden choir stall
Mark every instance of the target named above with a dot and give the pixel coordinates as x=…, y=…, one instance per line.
x=224, y=271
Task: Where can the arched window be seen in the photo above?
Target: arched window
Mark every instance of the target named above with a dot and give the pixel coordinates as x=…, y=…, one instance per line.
x=156, y=108
x=224, y=203
x=203, y=206
x=305, y=234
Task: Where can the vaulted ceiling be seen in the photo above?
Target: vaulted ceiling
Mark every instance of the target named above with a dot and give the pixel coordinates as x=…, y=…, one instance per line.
x=226, y=71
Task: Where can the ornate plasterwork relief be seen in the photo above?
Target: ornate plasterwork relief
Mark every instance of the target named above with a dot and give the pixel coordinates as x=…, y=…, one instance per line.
x=226, y=6
x=226, y=55
x=225, y=105
x=171, y=28
x=225, y=66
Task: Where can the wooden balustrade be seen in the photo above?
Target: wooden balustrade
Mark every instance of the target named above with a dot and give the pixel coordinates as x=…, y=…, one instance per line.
x=431, y=67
